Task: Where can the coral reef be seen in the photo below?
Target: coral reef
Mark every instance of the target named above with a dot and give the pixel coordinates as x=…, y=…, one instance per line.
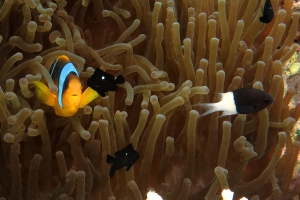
x=173, y=55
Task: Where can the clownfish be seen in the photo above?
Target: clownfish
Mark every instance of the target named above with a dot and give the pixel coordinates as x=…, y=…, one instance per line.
x=69, y=97
x=239, y=101
x=124, y=158
x=268, y=13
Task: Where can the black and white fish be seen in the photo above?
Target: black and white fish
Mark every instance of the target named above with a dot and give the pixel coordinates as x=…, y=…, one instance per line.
x=239, y=101
x=103, y=82
x=268, y=13
x=124, y=158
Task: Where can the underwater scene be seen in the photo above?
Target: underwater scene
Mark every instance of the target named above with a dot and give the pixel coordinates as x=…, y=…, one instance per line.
x=149, y=99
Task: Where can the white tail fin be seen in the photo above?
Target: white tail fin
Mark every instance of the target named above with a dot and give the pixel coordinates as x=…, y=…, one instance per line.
x=209, y=107
x=226, y=104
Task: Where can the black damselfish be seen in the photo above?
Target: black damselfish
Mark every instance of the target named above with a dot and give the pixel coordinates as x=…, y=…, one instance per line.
x=124, y=158
x=268, y=13
x=103, y=82
x=239, y=101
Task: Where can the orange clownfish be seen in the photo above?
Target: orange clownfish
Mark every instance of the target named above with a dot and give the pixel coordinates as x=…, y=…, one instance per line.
x=69, y=97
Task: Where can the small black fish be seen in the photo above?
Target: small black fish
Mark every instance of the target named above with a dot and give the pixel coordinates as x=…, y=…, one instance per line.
x=239, y=101
x=103, y=82
x=268, y=13
x=124, y=158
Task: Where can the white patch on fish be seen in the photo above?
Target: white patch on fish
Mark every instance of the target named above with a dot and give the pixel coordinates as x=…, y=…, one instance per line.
x=226, y=105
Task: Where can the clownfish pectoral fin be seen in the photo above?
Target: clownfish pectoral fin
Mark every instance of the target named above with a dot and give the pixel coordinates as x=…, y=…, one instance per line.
x=44, y=93
x=88, y=95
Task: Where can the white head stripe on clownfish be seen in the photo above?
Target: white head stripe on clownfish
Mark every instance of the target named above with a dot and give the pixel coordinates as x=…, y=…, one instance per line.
x=66, y=70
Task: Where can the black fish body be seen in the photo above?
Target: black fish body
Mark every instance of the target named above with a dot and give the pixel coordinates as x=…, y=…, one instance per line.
x=239, y=101
x=103, y=82
x=268, y=13
x=249, y=100
x=124, y=158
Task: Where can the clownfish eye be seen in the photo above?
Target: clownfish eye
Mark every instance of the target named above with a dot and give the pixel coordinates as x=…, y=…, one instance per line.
x=74, y=95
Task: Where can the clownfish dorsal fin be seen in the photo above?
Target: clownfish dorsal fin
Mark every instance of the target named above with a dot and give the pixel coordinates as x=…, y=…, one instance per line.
x=88, y=95
x=44, y=93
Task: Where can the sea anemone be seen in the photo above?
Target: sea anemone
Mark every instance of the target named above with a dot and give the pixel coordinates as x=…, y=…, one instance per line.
x=174, y=55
